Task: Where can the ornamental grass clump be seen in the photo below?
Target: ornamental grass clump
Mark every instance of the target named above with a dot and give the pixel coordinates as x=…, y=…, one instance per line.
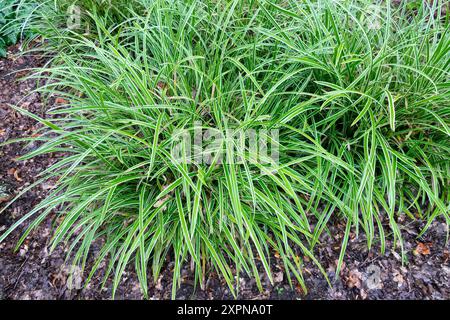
x=220, y=133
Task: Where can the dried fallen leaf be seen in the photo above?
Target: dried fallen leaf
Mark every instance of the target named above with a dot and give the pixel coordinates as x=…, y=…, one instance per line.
x=25, y=104
x=58, y=279
x=423, y=249
x=354, y=279
x=398, y=277
x=300, y=289
x=14, y=172
x=161, y=201
x=161, y=85
x=16, y=176
x=278, y=277
x=61, y=101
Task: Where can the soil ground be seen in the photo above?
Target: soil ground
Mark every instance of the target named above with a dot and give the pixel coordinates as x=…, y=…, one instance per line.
x=32, y=273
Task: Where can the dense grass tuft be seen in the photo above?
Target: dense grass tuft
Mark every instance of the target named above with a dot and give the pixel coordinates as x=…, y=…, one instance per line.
x=358, y=93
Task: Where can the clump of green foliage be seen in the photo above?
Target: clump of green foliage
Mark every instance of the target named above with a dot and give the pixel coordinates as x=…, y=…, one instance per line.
x=12, y=19
x=7, y=37
x=359, y=94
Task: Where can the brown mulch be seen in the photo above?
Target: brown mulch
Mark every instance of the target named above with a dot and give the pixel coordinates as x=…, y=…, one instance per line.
x=32, y=273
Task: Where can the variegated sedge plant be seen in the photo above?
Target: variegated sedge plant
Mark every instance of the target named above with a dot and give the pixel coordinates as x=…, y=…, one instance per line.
x=360, y=98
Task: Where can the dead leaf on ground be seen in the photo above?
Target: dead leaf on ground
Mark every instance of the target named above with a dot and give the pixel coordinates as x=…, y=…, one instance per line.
x=16, y=176
x=161, y=85
x=14, y=172
x=300, y=289
x=423, y=249
x=354, y=279
x=61, y=101
x=278, y=277
x=398, y=277
x=161, y=202
x=58, y=279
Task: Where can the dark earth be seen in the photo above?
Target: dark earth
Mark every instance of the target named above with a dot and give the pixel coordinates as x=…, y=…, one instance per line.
x=32, y=273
